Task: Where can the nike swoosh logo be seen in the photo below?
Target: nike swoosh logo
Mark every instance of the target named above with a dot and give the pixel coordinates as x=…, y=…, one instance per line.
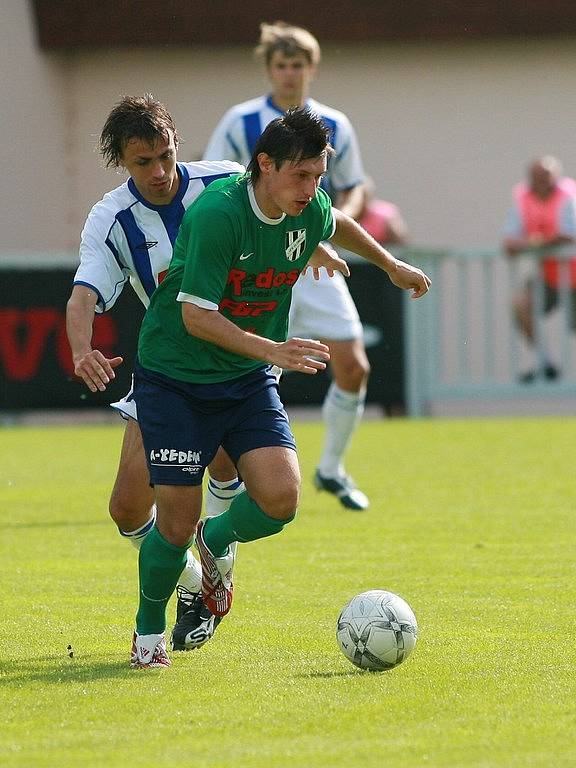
x=246, y=256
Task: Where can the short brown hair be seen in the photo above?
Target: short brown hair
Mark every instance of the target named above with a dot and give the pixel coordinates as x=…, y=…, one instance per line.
x=134, y=117
x=288, y=39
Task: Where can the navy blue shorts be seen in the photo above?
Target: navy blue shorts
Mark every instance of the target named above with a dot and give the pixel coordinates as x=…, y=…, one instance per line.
x=183, y=424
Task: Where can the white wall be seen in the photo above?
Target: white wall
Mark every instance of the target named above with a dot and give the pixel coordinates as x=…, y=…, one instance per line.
x=446, y=129
x=34, y=138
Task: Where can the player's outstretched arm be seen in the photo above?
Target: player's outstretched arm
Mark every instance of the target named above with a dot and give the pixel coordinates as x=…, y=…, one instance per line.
x=304, y=355
x=351, y=236
x=93, y=367
x=325, y=256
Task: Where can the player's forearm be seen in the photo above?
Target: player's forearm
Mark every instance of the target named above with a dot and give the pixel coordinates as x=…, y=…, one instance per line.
x=210, y=325
x=80, y=311
x=353, y=237
x=351, y=201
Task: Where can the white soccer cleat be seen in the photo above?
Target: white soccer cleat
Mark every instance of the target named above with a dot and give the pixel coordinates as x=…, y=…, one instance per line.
x=344, y=488
x=148, y=651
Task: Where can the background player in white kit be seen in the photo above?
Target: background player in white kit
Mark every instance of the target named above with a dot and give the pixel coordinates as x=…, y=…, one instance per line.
x=320, y=309
x=129, y=236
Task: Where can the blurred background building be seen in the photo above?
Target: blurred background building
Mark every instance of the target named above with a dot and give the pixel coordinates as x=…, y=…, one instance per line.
x=450, y=101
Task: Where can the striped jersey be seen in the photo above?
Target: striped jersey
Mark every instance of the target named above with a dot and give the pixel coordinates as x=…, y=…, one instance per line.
x=127, y=238
x=236, y=134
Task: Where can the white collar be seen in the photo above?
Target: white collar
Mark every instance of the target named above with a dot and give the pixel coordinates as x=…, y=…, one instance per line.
x=256, y=208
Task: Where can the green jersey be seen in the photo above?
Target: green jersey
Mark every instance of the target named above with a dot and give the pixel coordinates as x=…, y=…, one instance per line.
x=231, y=258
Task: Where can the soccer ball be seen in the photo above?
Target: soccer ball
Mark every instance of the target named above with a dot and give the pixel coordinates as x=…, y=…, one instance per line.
x=377, y=630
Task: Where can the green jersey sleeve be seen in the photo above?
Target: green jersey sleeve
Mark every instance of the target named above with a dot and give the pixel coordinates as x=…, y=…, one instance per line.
x=325, y=205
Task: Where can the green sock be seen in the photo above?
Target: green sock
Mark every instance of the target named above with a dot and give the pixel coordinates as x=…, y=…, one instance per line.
x=159, y=565
x=243, y=521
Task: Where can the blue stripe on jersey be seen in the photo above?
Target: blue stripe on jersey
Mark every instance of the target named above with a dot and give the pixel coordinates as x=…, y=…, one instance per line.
x=235, y=149
x=171, y=216
x=333, y=127
x=209, y=179
x=113, y=249
x=137, y=244
x=270, y=103
x=252, y=130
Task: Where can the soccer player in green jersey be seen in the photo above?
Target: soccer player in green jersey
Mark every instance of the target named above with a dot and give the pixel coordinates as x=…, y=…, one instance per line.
x=214, y=329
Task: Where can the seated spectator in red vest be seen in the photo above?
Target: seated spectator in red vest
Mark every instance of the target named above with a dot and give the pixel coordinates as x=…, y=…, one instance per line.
x=381, y=219
x=543, y=214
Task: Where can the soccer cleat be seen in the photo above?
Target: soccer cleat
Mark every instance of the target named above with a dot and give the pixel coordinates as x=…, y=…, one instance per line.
x=217, y=587
x=148, y=651
x=195, y=625
x=548, y=371
x=344, y=489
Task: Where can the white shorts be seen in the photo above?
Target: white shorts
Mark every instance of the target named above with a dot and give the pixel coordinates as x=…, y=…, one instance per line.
x=323, y=309
x=126, y=406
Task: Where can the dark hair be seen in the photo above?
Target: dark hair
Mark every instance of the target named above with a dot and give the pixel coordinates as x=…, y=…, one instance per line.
x=298, y=135
x=134, y=117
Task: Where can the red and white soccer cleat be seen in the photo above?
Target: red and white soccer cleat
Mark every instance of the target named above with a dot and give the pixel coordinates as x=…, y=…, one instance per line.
x=148, y=651
x=217, y=586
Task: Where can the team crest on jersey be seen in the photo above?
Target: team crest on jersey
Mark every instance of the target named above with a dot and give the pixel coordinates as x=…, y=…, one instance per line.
x=295, y=243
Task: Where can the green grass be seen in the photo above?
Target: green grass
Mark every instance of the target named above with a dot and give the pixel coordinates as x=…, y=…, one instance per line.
x=471, y=521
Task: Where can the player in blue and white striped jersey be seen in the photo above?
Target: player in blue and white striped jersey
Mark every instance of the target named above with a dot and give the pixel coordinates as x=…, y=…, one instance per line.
x=321, y=309
x=129, y=236
x=236, y=135
x=126, y=237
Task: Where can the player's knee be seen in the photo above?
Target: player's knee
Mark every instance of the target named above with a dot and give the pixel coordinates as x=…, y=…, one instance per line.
x=179, y=531
x=125, y=513
x=353, y=377
x=365, y=369
x=280, y=503
x=522, y=304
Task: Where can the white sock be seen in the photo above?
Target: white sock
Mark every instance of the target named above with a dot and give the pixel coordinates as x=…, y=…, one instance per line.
x=137, y=536
x=191, y=577
x=341, y=412
x=220, y=494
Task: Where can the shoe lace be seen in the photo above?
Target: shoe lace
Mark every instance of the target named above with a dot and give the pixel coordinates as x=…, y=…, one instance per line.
x=187, y=597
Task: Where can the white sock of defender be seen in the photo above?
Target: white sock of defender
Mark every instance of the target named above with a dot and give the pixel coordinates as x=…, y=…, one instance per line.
x=220, y=494
x=137, y=536
x=341, y=412
x=191, y=577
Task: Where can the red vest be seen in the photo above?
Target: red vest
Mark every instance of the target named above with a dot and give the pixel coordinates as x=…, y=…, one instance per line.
x=376, y=218
x=542, y=217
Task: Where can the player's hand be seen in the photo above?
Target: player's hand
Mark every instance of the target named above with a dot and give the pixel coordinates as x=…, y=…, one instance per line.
x=303, y=355
x=325, y=256
x=410, y=278
x=96, y=370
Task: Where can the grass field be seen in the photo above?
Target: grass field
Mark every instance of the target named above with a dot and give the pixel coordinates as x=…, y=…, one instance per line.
x=472, y=522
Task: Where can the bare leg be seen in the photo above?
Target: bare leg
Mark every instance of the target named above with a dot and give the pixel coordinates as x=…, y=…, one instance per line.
x=132, y=497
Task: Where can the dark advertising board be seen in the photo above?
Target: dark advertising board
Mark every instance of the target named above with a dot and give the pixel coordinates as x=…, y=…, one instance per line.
x=36, y=369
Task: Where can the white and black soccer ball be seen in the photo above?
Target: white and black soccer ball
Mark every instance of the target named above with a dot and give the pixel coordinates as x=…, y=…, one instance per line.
x=377, y=630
